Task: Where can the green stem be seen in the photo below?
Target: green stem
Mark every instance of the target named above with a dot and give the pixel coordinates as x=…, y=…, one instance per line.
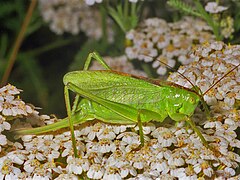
x=18, y=42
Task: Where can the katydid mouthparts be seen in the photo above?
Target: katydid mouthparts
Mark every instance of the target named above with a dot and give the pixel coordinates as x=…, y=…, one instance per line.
x=120, y=98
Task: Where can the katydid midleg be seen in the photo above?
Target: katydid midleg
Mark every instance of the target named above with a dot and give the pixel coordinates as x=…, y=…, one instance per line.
x=120, y=98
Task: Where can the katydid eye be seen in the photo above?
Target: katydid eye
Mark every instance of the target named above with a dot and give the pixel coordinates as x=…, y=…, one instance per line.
x=191, y=100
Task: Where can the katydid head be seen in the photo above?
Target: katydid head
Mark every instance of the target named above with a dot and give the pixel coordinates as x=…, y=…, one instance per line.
x=189, y=103
x=181, y=101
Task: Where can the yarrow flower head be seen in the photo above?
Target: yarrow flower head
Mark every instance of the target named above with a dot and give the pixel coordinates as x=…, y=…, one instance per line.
x=11, y=107
x=73, y=16
x=156, y=40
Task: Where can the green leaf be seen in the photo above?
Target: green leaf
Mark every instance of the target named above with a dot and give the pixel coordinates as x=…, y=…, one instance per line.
x=180, y=5
x=125, y=15
x=117, y=18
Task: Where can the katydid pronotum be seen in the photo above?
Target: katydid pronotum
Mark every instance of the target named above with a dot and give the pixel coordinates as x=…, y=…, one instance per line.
x=120, y=98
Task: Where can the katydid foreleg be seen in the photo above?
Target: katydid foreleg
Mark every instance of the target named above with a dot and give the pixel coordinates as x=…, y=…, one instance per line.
x=70, y=121
x=196, y=130
x=140, y=128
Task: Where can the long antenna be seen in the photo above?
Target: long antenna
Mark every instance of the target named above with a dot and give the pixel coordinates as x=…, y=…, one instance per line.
x=220, y=79
x=182, y=75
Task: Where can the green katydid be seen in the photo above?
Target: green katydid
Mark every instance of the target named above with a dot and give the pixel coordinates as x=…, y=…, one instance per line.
x=121, y=98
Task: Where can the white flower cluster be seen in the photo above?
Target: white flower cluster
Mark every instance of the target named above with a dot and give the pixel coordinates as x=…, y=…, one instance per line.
x=156, y=40
x=120, y=64
x=172, y=152
x=204, y=72
x=10, y=107
x=73, y=16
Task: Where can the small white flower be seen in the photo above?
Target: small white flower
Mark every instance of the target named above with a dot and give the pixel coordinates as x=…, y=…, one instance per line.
x=74, y=165
x=96, y=157
x=213, y=7
x=165, y=137
x=7, y=169
x=204, y=167
x=3, y=140
x=230, y=171
x=17, y=156
x=95, y=171
x=67, y=176
x=112, y=173
x=68, y=149
x=94, y=130
x=161, y=166
x=129, y=137
x=178, y=172
x=106, y=145
x=9, y=90
x=176, y=159
x=92, y=2
x=125, y=170
x=31, y=165
x=106, y=133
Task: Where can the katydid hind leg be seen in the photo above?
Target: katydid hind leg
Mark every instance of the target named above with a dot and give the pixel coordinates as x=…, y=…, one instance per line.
x=97, y=57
